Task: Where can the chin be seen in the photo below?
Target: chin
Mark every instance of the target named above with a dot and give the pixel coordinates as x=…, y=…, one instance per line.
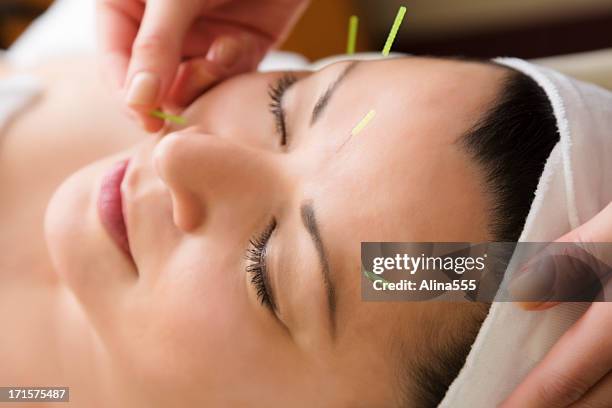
x=82, y=254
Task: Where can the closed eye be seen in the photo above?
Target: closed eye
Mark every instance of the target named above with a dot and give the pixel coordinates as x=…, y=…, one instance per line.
x=257, y=266
x=276, y=92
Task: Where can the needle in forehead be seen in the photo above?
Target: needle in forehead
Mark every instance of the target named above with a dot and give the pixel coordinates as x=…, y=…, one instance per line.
x=394, y=29
x=352, y=36
x=399, y=18
x=363, y=122
x=359, y=127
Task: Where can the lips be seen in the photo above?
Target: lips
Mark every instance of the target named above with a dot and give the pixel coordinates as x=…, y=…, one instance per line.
x=110, y=207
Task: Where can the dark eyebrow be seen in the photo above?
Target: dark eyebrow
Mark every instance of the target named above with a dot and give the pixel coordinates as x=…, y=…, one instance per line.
x=324, y=99
x=310, y=223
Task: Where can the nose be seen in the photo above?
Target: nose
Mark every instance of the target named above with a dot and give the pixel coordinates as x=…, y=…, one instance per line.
x=210, y=176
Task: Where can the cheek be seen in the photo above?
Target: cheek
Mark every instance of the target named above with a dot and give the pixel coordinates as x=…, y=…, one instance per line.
x=195, y=327
x=63, y=223
x=238, y=110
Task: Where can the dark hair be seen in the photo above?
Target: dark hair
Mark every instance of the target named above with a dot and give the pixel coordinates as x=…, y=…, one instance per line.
x=510, y=144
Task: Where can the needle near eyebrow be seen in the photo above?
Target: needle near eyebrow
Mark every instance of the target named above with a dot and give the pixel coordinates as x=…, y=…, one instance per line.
x=360, y=126
x=352, y=37
x=363, y=123
x=396, y=26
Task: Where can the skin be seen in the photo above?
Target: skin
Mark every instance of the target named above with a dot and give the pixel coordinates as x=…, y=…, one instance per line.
x=188, y=48
x=182, y=325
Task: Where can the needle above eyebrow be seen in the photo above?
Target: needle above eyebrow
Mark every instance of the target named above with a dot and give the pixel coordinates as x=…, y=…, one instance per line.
x=363, y=123
x=352, y=36
x=396, y=25
x=357, y=129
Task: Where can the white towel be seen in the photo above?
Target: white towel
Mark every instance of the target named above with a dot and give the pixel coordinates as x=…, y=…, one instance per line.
x=575, y=185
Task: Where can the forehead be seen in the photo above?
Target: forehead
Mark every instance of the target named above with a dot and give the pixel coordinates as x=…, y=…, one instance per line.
x=402, y=178
x=406, y=160
x=412, y=95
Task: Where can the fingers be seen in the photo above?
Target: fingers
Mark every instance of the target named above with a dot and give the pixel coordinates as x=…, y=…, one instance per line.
x=156, y=53
x=162, y=54
x=581, y=358
x=229, y=54
x=193, y=78
x=598, y=396
x=577, y=267
x=563, y=272
x=199, y=74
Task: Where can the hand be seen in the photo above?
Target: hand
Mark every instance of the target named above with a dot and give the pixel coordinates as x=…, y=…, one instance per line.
x=577, y=372
x=168, y=52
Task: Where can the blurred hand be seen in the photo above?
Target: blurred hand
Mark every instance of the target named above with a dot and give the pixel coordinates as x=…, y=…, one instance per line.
x=168, y=52
x=577, y=372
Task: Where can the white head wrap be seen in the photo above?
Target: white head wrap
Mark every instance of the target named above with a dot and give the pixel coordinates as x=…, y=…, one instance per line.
x=575, y=185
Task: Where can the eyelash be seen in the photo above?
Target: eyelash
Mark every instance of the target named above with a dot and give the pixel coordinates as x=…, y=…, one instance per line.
x=256, y=256
x=276, y=92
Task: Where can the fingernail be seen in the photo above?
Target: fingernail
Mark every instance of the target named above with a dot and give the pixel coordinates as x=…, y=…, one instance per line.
x=225, y=51
x=143, y=89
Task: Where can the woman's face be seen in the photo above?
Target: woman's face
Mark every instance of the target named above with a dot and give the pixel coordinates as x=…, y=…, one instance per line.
x=242, y=281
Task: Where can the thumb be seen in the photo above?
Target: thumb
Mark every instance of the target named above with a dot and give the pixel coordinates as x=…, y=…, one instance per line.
x=575, y=268
x=157, y=50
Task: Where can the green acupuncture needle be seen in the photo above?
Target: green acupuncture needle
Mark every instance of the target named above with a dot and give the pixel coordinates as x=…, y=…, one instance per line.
x=363, y=123
x=372, y=277
x=360, y=126
x=179, y=120
x=396, y=25
x=352, y=35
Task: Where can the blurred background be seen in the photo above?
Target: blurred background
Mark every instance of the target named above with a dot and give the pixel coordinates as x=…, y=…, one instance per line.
x=476, y=28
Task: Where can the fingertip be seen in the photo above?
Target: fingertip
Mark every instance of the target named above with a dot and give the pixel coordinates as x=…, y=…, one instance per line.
x=147, y=122
x=226, y=52
x=152, y=125
x=158, y=44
